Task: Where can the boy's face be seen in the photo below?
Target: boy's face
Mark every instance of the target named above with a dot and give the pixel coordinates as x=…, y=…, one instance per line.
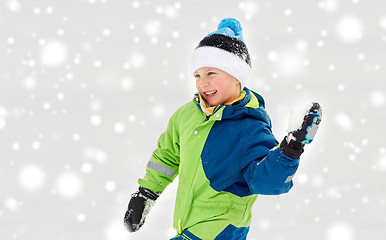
x=216, y=86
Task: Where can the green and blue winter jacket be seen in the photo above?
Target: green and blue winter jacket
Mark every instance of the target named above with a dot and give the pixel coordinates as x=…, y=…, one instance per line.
x=223, y=161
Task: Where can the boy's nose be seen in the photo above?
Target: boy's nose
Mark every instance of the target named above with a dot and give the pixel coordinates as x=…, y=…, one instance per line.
x=203, y=82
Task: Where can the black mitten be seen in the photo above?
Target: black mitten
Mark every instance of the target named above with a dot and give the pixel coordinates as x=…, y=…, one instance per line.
x=139, y=206
x=302, y=133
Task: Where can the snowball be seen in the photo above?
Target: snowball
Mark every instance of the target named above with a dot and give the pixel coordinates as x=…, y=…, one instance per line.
x=349, y=29
x=31, y=177
x=340, y=231
x=53, y=53
x=296, y=117
x=69, y=185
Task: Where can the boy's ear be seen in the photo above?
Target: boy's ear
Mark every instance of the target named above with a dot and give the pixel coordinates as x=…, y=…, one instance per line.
x=237, y=82
x=239, y=85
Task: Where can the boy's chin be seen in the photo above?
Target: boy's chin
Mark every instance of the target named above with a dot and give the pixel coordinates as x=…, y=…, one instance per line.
x=213, y=103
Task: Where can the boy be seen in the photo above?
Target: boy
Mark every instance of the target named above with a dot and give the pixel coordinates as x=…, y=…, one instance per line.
x=221, y=146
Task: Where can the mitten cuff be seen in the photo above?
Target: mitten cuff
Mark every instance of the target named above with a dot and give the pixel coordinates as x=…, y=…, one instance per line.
x=149, y=194
x=291, y=148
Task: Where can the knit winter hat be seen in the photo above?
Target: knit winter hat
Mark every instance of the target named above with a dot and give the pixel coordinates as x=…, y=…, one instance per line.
x=224, y=49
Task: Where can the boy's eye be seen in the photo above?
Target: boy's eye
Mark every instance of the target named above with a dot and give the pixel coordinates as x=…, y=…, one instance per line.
x=197, y=76
x=211, y=73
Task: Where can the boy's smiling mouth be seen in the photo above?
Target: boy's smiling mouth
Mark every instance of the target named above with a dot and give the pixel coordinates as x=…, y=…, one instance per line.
x=210, y=93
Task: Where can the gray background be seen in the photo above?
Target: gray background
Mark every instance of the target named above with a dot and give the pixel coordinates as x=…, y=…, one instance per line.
x=87, y=87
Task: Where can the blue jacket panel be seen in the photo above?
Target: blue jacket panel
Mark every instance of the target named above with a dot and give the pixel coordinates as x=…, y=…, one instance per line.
x=230, y=233
x=251, y=167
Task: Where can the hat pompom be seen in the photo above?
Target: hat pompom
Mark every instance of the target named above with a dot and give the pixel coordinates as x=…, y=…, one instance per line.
x=233, y=25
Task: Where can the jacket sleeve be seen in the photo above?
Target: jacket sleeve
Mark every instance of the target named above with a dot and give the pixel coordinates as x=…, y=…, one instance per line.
x=272, y=175
x=269, y=171
x=163, y=165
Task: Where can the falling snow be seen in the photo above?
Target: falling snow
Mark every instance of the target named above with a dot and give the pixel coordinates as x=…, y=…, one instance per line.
x=31, y=177
x=87, y=87
x=349, y=28
x=68, y=185
x=53, y=53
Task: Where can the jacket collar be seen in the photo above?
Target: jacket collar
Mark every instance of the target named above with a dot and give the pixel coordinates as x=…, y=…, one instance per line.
x=251, y=100
x=208, y=110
